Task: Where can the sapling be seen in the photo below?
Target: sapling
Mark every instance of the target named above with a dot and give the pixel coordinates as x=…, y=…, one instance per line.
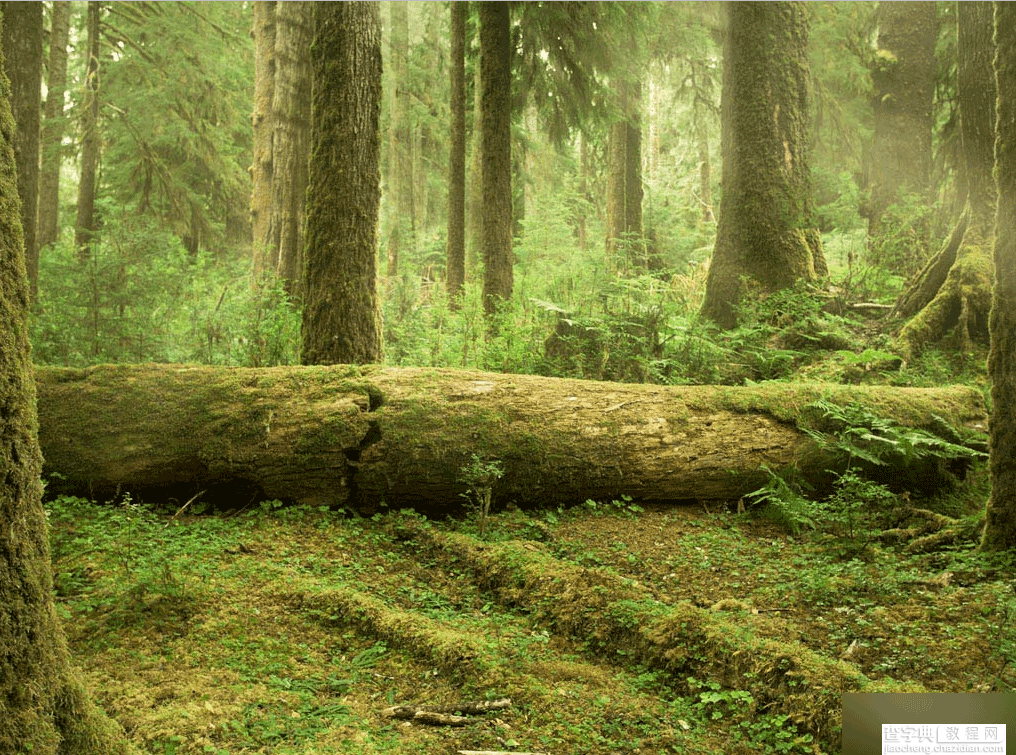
x=480, y=476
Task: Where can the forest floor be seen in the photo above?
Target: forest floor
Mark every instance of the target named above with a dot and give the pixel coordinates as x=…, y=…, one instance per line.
x=611, y=628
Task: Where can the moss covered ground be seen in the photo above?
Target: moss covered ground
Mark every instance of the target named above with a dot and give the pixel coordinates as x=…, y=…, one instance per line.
x=611, y=628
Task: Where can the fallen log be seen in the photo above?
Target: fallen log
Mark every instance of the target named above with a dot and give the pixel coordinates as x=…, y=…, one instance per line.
x=362, y=437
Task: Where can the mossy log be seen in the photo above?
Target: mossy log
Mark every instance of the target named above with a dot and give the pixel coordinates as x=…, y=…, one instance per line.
x=363, y=437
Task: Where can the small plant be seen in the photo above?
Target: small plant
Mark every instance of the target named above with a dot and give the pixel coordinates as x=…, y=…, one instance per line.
x=480, y=475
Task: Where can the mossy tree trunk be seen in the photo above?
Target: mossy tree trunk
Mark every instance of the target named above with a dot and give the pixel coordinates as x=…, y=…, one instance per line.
x=22, y=44
x=43, y=705
x=341, y=315
x=496, y=153
x=53, y=125
x=952, y=294
x=903, y=73
x=765, y=230
x=455, y=270
x=348, y=436
x=1000, y=530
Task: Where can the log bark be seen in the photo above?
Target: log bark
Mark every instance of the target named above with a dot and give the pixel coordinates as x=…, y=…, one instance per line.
x=365, y=436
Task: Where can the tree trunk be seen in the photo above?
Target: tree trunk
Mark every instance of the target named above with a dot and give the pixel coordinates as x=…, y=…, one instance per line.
x=765, y=229
x=290, y=139
x=22, y=44
x=53, y=126
x=341, y=317
x=360, y=436
x=952, y=295
x=263, y=120
x=626, y=247
x=474, y=200
x=1000, y=529
x=903, y=74
x=85, y=226
x=496, y=153
x=43, y=704
x=399, y=199
x=455, y=273
x=282, y=90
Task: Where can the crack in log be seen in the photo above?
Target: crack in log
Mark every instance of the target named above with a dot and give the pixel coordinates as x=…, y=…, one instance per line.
x=375, y=400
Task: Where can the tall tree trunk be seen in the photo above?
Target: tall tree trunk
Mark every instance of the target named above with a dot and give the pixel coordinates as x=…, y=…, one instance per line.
x=765, y=231
x=341, y=319
x=53, y=126
x=85, y=226
x=583, y=199
x=455, y=273
x=22, y=44
x=1000, y=527
x=263, y=120
x=496, y=149
x=282, y=90
x=43, y=704
x=400, y=203
x=626, y=247
x=290, y=139
x=474, y=198
x=952, y=295
x=903, y=75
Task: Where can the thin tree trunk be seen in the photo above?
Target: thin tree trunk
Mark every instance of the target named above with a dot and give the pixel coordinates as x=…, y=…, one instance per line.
x=474, y=198
x=1000, y=527
x=264, y=33
x=455, y=274
x=399, y=201
x=625, y=243
x=53, y=126
x=22, y=43
x=44, y=705
x=495, y=74
x=341, y=317
x=290, y=139
x=85, y=226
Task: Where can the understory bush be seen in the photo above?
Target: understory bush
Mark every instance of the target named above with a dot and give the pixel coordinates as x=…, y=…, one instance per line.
x=140, y=297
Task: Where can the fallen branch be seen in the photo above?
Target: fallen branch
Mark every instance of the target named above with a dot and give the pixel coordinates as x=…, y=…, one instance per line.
x=445, y=715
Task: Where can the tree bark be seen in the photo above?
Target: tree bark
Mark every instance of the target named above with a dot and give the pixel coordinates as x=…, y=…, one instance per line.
x=399, y=195
x=496, y=153
x=263, y=120
x=952, y=295
x=359, y=436
x=903, y=77
x=290, y=139
x=53, y=126
x=341, y=316
x=282, y=91
x=765, y=230
x=455, y=273
x=626, y=246
x=43, y=704
x=22, y=43
x=85, y=225
x=1000, y=527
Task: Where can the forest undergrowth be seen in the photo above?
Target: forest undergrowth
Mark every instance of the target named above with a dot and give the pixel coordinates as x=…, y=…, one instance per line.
x=610, y=627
